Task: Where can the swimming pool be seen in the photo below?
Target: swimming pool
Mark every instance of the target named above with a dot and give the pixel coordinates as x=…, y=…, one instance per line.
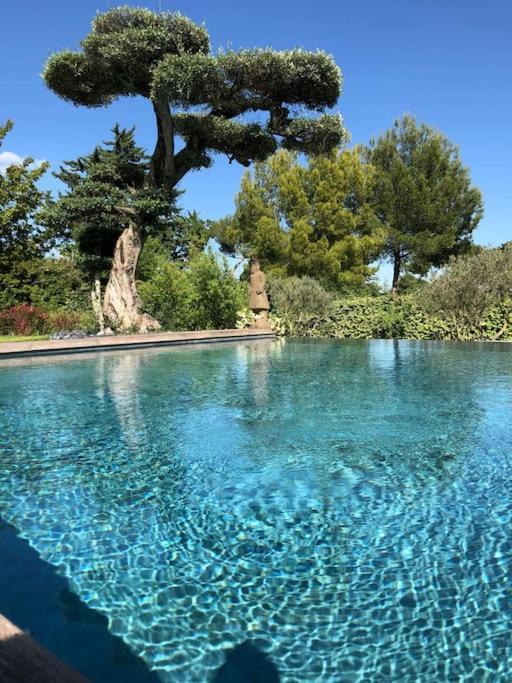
x=344, y=506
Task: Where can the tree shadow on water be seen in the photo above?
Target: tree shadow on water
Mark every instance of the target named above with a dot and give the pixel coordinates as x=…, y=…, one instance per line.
x=245, y=663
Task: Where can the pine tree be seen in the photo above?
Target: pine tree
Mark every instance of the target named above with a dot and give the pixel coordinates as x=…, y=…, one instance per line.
x=312, y=219
x=107, y=207
x=423, y=196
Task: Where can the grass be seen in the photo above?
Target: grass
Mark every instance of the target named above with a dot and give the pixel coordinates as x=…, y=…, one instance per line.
x=18, y=338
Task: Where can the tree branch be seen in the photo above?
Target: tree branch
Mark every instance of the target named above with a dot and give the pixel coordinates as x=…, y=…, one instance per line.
x=161, y=170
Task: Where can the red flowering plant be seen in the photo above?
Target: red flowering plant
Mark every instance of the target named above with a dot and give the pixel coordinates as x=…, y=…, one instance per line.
x=23, y=319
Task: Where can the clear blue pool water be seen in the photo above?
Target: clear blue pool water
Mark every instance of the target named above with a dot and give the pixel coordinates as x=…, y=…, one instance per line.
x=344, y=506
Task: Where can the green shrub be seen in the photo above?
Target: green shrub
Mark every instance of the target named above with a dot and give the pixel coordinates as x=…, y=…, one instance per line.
x=384, y=318
x=167, y=295
x=203, y=294
x=217, y=294
x=473, y=294
x=246, y=319
x=371, y=318
x=297, y=296
x=45, y=283
x=497, y=323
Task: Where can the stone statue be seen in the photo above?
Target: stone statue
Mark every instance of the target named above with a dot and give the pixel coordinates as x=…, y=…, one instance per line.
x=258, y=299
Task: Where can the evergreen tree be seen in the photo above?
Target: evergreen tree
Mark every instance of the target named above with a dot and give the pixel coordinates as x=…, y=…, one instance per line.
x=312, y=219
x=108, y=200
x=423, y=196
x=200, y=98
x=189, y=236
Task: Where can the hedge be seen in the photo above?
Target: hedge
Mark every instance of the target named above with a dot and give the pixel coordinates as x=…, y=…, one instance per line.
x=385, y=318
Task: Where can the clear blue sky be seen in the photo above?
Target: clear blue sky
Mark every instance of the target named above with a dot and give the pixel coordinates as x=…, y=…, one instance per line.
x=447, y=62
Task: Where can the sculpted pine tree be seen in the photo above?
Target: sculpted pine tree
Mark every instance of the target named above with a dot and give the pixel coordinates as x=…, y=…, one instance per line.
x=201, y=101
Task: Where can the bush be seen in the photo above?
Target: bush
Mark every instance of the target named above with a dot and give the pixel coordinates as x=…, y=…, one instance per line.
x=217, y=294
x=246, y=319
x=65, y=321
x=23, y=319
x=203, y=294
x=45, y=283
x=473, y=294
x=386, y=318
x=167, y=295
x=358, y=318
x=298, y=296
x=372, y=318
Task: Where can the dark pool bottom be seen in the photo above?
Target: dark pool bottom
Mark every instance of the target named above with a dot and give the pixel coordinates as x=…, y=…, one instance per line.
x=345, y=507
x=39, y=601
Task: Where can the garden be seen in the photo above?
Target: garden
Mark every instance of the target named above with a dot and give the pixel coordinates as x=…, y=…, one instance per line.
x=324, y=498
x=317, y=214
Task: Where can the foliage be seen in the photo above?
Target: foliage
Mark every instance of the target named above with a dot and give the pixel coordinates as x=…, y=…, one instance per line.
x=167, y=295
x=312, y=220
x=166, y=57
x=217, y=294
x=61, y=320
x=384, y=317
x=202, y=294
x=245, y=318
x=472, y=288
x=423, y=196
x=21, y=237
x=409, y=283
x=278, y=324
x=27, y=319
x=188, y=237
x=48, y=283
x=107, y=191
x=356, y=318
x=23, y=319
x=298, y=296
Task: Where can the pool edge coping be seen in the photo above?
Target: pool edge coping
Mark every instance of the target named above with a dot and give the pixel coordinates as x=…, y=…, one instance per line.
x=128, y=342
x=47, y=667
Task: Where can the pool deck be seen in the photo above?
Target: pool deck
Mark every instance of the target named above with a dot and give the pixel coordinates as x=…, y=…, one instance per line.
x=22, y=660
x=128, y=341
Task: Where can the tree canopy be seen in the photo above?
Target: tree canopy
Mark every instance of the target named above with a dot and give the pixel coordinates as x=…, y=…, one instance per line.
x=312, y=219
x=21, y=237
x=107, y=191
x=423, y=196
x=203, y=99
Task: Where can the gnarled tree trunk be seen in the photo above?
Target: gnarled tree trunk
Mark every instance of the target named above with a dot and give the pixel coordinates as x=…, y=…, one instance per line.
x=121, y=303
